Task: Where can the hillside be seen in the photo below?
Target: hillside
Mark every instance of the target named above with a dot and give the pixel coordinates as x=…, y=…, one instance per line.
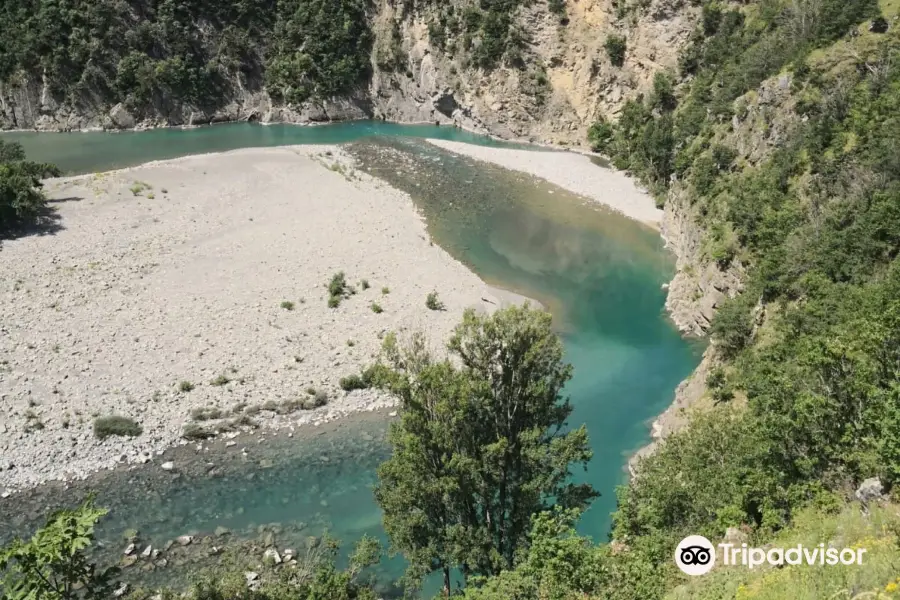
x=768, y=132
x=529, y=69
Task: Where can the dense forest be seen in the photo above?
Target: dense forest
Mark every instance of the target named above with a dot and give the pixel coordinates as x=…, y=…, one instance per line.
x=804, y=403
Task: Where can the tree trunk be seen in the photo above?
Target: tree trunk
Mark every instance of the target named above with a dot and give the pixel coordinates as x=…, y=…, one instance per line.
x=446, y=582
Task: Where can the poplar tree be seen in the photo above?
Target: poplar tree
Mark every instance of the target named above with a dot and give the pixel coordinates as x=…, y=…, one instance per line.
x=481, y=444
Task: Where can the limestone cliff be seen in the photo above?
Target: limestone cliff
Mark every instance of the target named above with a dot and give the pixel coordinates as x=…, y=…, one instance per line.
x=563, y=82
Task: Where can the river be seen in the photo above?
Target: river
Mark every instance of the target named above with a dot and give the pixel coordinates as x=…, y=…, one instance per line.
x=599, y=273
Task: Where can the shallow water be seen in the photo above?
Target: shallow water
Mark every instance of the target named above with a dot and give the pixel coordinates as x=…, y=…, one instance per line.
x=598, y=272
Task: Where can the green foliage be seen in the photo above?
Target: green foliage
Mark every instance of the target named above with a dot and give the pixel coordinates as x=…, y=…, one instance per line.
x=22, y=202
x=195, y=432
x=451, y=455
x=53, y=564
x=185, y=386
x=600, y=134
x=287, y=305
x=558, y=565
x=105, y=427
x=174, y=53
x=433, y=302
x=616, y=46
x=376, y=308
x=338, y=289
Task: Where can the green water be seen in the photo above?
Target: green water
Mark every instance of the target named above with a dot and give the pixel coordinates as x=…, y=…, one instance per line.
x=599, y=273
x=87, y=152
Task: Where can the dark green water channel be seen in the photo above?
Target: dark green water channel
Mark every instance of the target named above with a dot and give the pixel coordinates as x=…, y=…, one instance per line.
x=599, y=273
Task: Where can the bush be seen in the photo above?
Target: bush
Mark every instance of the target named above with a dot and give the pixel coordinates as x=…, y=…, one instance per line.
x=615, y=48
x=220, y=380
x=186, y=386
x=194, y=432
x=433, y=303
x=385, y=290
x=105, y=427
x=353, y=382
x=206, y=414
x=600, y=135
x=376, y=308
x=338, y=285
x=287, y=305
x=21, y=200
x=334, y=301
x=364, y=284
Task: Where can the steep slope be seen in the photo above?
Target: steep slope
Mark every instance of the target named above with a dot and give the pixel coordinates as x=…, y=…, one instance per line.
x=515, y=68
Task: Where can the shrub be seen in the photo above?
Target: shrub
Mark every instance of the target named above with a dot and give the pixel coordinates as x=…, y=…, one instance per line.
x=385, y=290
x=21, y=200
x=433, y=303
x=194, y=432
x=206, y=414
x=600, y=135
x=615, y=48
x=220, y=380
x=287, y=305
x=338, y=285
x=364, y=284
x=376, y=308
x=334, y=301
x=186, y=386
x=116, y=425
x=353, y=382
x=321, y=398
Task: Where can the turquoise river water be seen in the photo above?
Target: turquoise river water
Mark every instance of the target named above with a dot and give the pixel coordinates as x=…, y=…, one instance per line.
x=599, y=273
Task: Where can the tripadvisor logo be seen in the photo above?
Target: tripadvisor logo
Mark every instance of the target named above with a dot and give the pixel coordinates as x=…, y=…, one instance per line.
x=696, y=555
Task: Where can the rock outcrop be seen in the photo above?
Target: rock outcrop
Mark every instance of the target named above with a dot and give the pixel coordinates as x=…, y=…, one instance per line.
x=564, y=82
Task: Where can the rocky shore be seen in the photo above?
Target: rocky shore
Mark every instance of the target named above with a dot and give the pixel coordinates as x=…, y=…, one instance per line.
x=194, y=292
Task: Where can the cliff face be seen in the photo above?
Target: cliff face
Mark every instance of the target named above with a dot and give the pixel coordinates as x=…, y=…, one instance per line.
x=563, y=82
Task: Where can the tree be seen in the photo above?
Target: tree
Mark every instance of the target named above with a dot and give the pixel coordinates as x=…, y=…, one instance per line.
x=21, y=199
x=481, y=444
x=615, y=48
x=53, y=564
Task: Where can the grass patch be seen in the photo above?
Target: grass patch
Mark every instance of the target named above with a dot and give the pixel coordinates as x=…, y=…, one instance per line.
x=364, y=284
x=185, y=386
x=385, y=290
x=105, y=427
x=139, y=186
x=376, y=308
x=287, y=305
x=220, y=380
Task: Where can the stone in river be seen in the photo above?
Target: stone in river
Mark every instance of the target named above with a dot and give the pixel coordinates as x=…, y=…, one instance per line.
x=147, y=552
x=128, y=549
x=271, y=555
x=168, y=466
x=222, y=531
x=128, y=561
x=185, y=540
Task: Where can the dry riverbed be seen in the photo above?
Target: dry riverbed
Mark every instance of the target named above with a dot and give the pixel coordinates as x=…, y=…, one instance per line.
x=196, y=288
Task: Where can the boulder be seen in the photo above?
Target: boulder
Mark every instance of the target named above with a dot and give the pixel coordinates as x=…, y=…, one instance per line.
x=121, y=118
x=168, y=466
x=870, y=489
x=184, y=540
x=271, y=556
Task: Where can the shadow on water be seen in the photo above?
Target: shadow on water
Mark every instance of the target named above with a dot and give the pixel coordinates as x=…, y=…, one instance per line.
x=599, y=273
